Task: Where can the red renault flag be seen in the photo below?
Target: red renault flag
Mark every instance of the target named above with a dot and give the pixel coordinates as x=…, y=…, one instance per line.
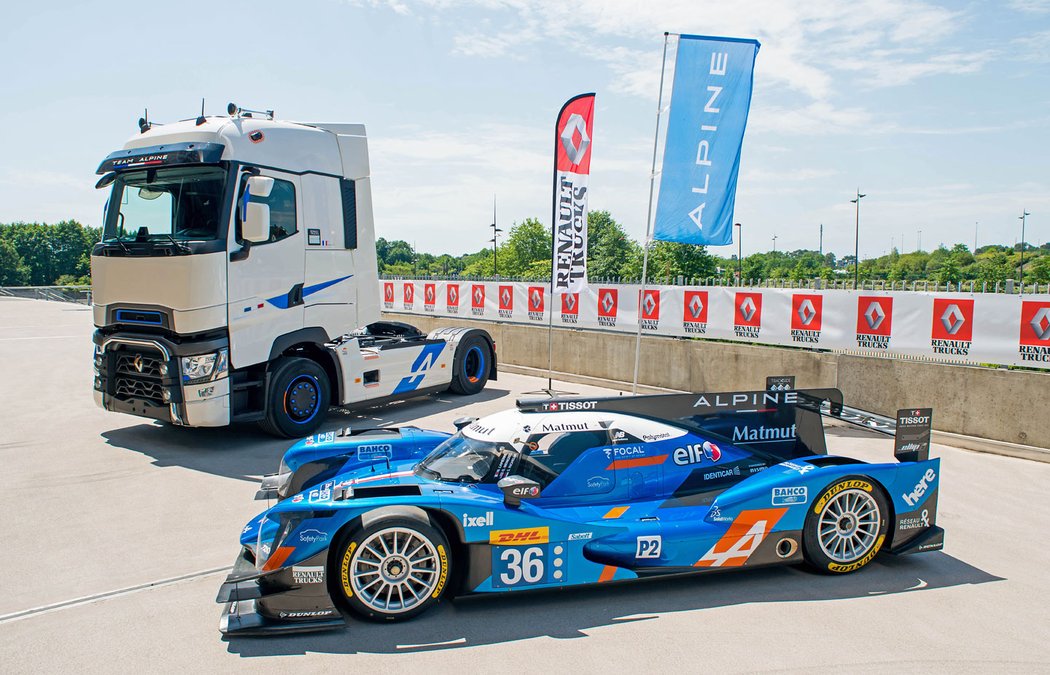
x=572, y=165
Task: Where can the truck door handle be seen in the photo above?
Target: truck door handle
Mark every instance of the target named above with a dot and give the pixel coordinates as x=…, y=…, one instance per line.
x=295, y=296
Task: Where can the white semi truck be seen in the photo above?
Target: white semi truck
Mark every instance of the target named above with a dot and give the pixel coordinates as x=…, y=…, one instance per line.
x=236, y=281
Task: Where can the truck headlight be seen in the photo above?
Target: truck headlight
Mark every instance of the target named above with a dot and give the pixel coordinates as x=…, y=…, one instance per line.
x=98, y=357
x=205, y=366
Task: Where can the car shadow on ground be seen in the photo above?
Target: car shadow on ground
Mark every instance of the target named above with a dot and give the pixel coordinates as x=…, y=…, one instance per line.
x=245, y=453
x=569, y=613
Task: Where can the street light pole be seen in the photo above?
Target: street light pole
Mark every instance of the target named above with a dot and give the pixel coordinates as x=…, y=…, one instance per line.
x=856, y=240
x=739, y=259
x=1024, y=214
x=495, y=271
x=774, y=243
x=822, y=240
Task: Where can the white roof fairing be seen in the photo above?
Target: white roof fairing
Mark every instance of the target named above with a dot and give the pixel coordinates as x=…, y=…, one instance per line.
x=335, y=149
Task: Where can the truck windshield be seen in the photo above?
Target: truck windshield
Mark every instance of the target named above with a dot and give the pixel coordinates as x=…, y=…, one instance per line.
x=177, y=203
x=465, y=460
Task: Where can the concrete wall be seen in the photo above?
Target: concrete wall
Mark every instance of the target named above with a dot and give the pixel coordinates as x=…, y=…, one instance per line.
x=1001, y=405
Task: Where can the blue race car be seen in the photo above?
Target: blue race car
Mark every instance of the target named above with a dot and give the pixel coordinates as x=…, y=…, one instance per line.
x=562, y=492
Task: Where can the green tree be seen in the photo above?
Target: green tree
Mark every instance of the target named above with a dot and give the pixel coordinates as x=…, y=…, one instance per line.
x=671, y=259
x=13, y=272
x=610, y=252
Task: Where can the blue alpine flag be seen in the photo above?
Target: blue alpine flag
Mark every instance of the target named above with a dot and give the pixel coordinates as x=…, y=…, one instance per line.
x=709, y=103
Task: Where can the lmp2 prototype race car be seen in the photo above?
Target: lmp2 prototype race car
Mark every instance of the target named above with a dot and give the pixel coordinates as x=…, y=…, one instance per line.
x=562, y=492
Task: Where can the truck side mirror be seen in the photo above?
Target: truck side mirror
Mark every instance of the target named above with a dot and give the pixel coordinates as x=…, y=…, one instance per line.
x=516, y=488
x=255, y=226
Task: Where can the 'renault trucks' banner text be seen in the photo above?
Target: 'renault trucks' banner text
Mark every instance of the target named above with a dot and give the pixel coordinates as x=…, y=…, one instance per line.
x=572, y=164
x=954, y=327
x=705, y=132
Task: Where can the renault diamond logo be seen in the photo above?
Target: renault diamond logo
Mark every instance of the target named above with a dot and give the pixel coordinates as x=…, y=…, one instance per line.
x=607, y=303
x=138, y=362
x=479, y=295
x=570, y=301
x=536, y=298
x=806, y=312
x=874, y=315
x=649, y=304
x=430, y=295
x=453, y=295
x=505, y=296
x=747, y=308
x=953, y=319
x=696, y=307
x=575, y=150
x=1041, y=323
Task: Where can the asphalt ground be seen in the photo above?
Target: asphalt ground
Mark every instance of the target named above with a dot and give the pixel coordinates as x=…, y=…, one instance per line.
x=116, y=533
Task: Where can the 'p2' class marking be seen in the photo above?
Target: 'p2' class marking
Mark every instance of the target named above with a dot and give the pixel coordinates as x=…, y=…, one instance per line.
x=649, y=547
x=516, y=566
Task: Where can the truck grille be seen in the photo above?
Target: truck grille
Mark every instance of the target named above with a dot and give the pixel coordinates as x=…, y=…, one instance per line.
x=137, y=375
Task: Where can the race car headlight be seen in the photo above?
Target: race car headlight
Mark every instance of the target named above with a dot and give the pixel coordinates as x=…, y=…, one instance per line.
x=204, y=367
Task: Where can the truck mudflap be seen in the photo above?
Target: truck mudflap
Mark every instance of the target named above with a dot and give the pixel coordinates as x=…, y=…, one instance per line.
x=288, y=600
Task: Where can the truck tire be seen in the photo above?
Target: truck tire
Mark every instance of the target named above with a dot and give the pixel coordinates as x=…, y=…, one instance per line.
x=298, y=398
x=470, y=367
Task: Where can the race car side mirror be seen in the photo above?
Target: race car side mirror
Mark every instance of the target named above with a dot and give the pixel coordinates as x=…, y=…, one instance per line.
x=461, y=422
x=516, y=488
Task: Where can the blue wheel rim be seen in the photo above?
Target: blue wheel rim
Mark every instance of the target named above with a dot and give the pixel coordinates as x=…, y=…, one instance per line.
x=302, y=399
x=474, y=364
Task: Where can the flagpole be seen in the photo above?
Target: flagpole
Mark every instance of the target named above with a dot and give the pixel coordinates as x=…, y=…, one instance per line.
x=649, y=219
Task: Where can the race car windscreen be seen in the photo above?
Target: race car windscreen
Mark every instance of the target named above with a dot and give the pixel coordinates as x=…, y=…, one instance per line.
x=464, y=460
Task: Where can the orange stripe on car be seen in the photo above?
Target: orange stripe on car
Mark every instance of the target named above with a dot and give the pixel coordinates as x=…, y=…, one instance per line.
x=616, y=512
x=277, y=559
x=608, y=572
x=636, y=461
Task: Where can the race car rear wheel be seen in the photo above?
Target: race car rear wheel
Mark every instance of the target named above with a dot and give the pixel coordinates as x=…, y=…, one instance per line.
x=846, y=526
x=393, y=569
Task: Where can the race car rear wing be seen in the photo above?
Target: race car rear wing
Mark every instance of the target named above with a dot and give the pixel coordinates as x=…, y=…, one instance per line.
x=782, y=423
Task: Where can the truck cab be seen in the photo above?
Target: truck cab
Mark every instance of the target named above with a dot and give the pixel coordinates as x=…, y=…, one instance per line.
x=236, y=280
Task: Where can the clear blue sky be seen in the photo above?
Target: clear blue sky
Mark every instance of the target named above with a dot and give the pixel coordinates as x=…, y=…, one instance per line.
x=939, y=112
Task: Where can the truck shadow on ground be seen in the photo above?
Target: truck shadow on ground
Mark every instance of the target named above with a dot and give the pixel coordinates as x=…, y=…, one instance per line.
x=245, y=453
x=567, y=614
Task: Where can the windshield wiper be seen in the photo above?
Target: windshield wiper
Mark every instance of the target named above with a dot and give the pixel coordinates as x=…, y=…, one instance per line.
x=178, y=246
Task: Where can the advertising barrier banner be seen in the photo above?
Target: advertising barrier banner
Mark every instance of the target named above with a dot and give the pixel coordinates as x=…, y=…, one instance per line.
x=956, y=327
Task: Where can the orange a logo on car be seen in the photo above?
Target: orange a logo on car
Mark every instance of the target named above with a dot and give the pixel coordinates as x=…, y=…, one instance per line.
x=741, y=539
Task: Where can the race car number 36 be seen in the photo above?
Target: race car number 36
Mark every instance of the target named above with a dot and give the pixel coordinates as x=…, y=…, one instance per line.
x=514, y=566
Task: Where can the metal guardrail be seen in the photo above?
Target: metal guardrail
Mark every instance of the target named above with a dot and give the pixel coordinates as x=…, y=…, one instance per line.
x=77, y=294
x=1008, y=287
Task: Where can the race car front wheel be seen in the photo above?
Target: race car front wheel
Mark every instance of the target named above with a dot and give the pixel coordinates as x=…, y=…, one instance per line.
x=393, y=569
x=846, y=526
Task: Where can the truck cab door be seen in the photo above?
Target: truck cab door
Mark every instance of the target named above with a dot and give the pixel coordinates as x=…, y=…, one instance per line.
x=266, y=285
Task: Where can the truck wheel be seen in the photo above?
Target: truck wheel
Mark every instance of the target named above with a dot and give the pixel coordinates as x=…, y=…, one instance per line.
x=298, y=399
x=470, y=368
x=393, y=569
x=846, y=526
